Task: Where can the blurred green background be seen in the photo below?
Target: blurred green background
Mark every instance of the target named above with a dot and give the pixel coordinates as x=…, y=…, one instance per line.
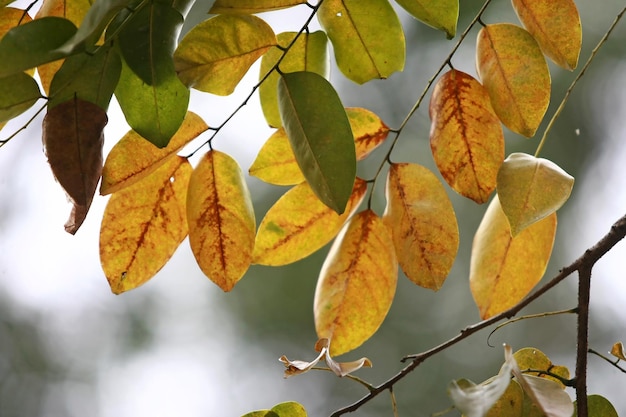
x=178, y=346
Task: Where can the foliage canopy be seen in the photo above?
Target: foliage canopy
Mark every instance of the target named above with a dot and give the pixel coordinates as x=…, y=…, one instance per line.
x=86, y=54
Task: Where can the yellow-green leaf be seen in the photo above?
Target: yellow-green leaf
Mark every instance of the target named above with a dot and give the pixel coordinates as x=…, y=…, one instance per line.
x=531, y=189
x=510, y=403
x=423, y=224
x=289, y=409
x=133, y=157
x=221, y=219
x=617, y=350
x=276, y=162
x=503, y=268
x=509, y=60
x=466, y=137
x=251, y=6
x=298, y=224
x=555, y=24
x=143, y=225
x=440, y=14
x=357, y=283
x=532, y=358
x=308, y=53
x=598, y=406
x=367, y=37
x=215, y=55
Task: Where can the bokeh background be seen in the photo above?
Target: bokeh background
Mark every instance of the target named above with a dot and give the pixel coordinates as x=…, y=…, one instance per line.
x=179, y=346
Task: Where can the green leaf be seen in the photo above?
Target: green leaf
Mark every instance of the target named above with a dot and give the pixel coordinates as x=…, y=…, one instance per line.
x=90, y=77
x=34, y=43
x=440, y=14
x=320, y=136
x=94, y=23
x=531, y=189
x=598, y=406
x=18, y=92
x=289, y=409
x=154, y=111
x=251, y=6
x=367, y=37
x=148, y=40
x=308, y=53
x=215, y=55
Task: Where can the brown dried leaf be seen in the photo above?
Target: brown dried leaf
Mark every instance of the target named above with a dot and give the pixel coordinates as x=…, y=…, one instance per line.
x=73, y=138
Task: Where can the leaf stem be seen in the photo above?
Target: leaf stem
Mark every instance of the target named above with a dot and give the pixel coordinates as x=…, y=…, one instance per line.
x=14, y=134
x=530, y=316
x=366, y=384
x=594, y=52
x=614, y=363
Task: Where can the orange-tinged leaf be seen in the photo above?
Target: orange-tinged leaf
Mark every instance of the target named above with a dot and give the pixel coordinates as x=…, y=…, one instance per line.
x=617, y=350
x=509, y=60
x=357, y=283
x=73, y=138
x=221, y=219
x=531, y=189
x=74, y=11
x=298, y=224
x=532, y=358
x=555, y=24
x=466, y=137
x=276, y=163
x=143, y=225
x=134, y=158
x=505, y=269
x=423, y=224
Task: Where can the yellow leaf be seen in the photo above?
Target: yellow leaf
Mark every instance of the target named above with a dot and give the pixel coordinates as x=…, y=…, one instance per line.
x=357, y=283
x=532, y=358
x=143, y=225
x=276, y=162
x=423, y=224
x=298, y=224
x=617, y=350
x=509, y=60
x=74, y=11
x=531, y=189
x=251, y=6
x=466, y=137
x=221, y=219
x=133, y=157
x=215, y=55
x=555, y=24
x=505, y=269
x=308, y=53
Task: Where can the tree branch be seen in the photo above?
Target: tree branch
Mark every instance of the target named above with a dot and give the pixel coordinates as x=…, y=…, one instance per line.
x=583, y=265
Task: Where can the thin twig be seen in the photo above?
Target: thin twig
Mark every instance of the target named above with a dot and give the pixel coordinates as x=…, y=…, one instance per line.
x=614, y=363
x=14, y=134
x=275, y=67
x=589, y=258
x=558, y=111
x=419, y=101
x=529, y=316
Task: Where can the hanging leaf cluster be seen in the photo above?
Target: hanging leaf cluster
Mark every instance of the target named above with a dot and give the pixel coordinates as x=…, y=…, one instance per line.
x=86, y=54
